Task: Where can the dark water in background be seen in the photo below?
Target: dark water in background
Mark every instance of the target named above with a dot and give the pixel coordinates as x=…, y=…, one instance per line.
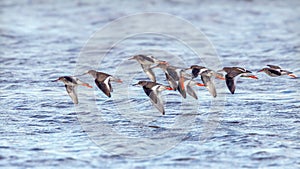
x=259, y=127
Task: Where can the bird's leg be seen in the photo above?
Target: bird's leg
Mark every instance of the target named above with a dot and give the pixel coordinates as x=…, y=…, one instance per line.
x=253, y=77
x=87, y=85
x=220, y=77
x=292, y=75
x=169, y=88
x=116, y=79
x=200, y=84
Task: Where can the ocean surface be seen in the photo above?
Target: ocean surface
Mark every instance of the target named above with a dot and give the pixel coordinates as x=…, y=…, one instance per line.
x=257, y=127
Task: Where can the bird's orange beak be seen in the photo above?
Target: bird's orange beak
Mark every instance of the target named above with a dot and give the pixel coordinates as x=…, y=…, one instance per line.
x=261, y=70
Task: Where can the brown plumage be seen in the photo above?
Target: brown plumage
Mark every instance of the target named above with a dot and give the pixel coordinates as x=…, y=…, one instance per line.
x=233, y=73
x=153, y=90
x=103, y=80
x=71, y=84
x=275, y=71
x=146, y=61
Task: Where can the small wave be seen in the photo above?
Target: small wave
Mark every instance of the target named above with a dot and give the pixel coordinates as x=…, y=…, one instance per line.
x=38, y=116
x=264, y=155
x=36, y=149
x=183, y=159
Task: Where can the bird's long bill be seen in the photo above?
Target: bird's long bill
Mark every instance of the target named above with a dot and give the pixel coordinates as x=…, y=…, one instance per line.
x=260, y=70
x=81, y=74
x=55, y=80
x=131, y=58
x=135, y=84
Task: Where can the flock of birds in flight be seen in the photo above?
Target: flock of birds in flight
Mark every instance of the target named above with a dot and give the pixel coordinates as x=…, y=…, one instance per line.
x=178, y=78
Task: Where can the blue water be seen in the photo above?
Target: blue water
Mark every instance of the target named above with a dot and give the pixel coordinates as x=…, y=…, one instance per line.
x=257, y=128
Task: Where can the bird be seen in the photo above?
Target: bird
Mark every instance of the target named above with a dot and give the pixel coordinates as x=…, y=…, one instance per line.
x=181, y=85
x=172, y=73
x=153, y=90
x=186, y=82
x=146, y=62
x=275, y=71
x=178, y=79
x=233, y=73
x=71, y=83
x=189, y=88
x=103, y=80
x=206, y=77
